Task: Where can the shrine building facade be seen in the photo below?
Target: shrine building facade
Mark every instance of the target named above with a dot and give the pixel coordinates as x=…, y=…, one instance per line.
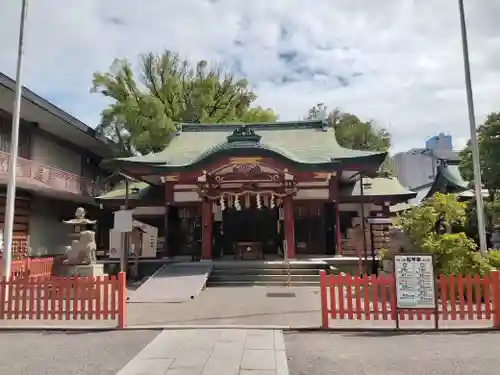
x=286, y=187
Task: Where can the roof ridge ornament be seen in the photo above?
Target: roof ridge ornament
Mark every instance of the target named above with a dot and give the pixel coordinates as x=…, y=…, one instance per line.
x=324, y=125
x=244, y=133
x=178, y=129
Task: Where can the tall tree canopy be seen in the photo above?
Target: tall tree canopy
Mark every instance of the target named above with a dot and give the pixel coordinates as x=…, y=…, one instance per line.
x=353, y=133
x=143, y=112
x=488, y=135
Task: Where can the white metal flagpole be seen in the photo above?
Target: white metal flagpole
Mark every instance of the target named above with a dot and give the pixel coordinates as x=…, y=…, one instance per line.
x=14, y=146
x=478, y=186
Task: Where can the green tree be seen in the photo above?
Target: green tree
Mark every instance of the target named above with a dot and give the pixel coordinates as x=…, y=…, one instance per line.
x=491, y=212
x=488, y=135
x=419, y=222
x=455, y=252
x=143, y=113
x=257, y=114
x=355, y=134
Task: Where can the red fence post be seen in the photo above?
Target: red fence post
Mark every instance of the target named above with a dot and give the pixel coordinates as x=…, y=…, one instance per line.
x=122, y=300
x=324, y=299
x=495, y=297
x=27, y=266
x=50, y=266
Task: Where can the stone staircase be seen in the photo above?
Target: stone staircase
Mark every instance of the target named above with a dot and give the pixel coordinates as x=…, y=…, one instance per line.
x=241, y=273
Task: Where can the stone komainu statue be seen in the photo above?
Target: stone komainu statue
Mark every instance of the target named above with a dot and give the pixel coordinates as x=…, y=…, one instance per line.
x=82, y=251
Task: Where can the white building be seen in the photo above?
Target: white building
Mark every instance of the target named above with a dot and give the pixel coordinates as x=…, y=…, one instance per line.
x=417, y=167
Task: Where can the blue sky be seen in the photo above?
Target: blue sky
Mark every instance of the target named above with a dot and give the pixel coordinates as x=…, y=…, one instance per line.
x=397, y=62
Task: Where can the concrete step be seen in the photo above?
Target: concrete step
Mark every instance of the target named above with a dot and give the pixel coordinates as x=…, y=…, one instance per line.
x=265, y=271
x=249, y=264
x=231, y=283
x=257, y=277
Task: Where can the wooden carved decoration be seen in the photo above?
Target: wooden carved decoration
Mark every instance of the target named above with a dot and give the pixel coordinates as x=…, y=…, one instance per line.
x=246, y=168
x=246, y=181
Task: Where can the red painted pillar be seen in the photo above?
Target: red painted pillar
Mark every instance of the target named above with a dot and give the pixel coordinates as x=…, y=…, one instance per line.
x=166, y=229
x=169, y=198
x=334, y=195
x=323, y=285
x=289, y=225
x=337, y=228
x=122, y=300
x=206, y=222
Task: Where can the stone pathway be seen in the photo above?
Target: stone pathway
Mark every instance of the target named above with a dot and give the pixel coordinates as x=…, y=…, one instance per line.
x=175, y=282
x=212, y=352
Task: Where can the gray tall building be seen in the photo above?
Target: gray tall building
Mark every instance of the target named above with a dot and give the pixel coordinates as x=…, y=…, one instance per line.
x=417, y=167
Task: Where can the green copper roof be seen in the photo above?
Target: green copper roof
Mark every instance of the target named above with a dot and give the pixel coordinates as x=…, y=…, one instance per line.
x=448, y=180
x=421, y=194
x=136, y=190
x=380, y=186
x=453, y=177
x=308, y=143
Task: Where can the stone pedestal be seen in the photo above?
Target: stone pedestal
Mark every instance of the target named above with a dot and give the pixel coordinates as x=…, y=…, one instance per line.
x=81, y=270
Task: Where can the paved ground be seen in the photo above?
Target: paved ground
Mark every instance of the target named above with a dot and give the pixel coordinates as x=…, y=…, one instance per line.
x=248, y=352
x=212, y=352
x=284, y=306
x=389, y=354
x=97, y=353
x=176, y=282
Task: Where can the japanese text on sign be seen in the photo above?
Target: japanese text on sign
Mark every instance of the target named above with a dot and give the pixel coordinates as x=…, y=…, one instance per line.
x=414, y=281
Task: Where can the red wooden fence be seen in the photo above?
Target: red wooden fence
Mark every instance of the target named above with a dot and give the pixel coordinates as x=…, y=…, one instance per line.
x=31, y=267
x=346, y=297
x=64, y=298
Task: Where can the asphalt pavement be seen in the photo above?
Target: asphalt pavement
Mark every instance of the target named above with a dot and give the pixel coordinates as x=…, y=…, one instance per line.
x=322, y=353
x=75, y=353
x=393, y=354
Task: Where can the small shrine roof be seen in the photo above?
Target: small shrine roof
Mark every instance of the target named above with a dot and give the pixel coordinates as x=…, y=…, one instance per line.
x=308, y=144
x=379, y=186
x=137, y=191
x=448, y=180
x=421, y=193
x=449, y=176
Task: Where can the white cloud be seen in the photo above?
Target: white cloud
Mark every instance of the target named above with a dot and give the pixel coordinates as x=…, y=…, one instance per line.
x=402, y=58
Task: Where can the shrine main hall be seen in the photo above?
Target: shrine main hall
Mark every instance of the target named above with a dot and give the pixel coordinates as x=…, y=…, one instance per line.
x=284, y=188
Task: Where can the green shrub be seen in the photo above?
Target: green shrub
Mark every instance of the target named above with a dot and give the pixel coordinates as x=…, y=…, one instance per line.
x=455, y=255
x=494, y=258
